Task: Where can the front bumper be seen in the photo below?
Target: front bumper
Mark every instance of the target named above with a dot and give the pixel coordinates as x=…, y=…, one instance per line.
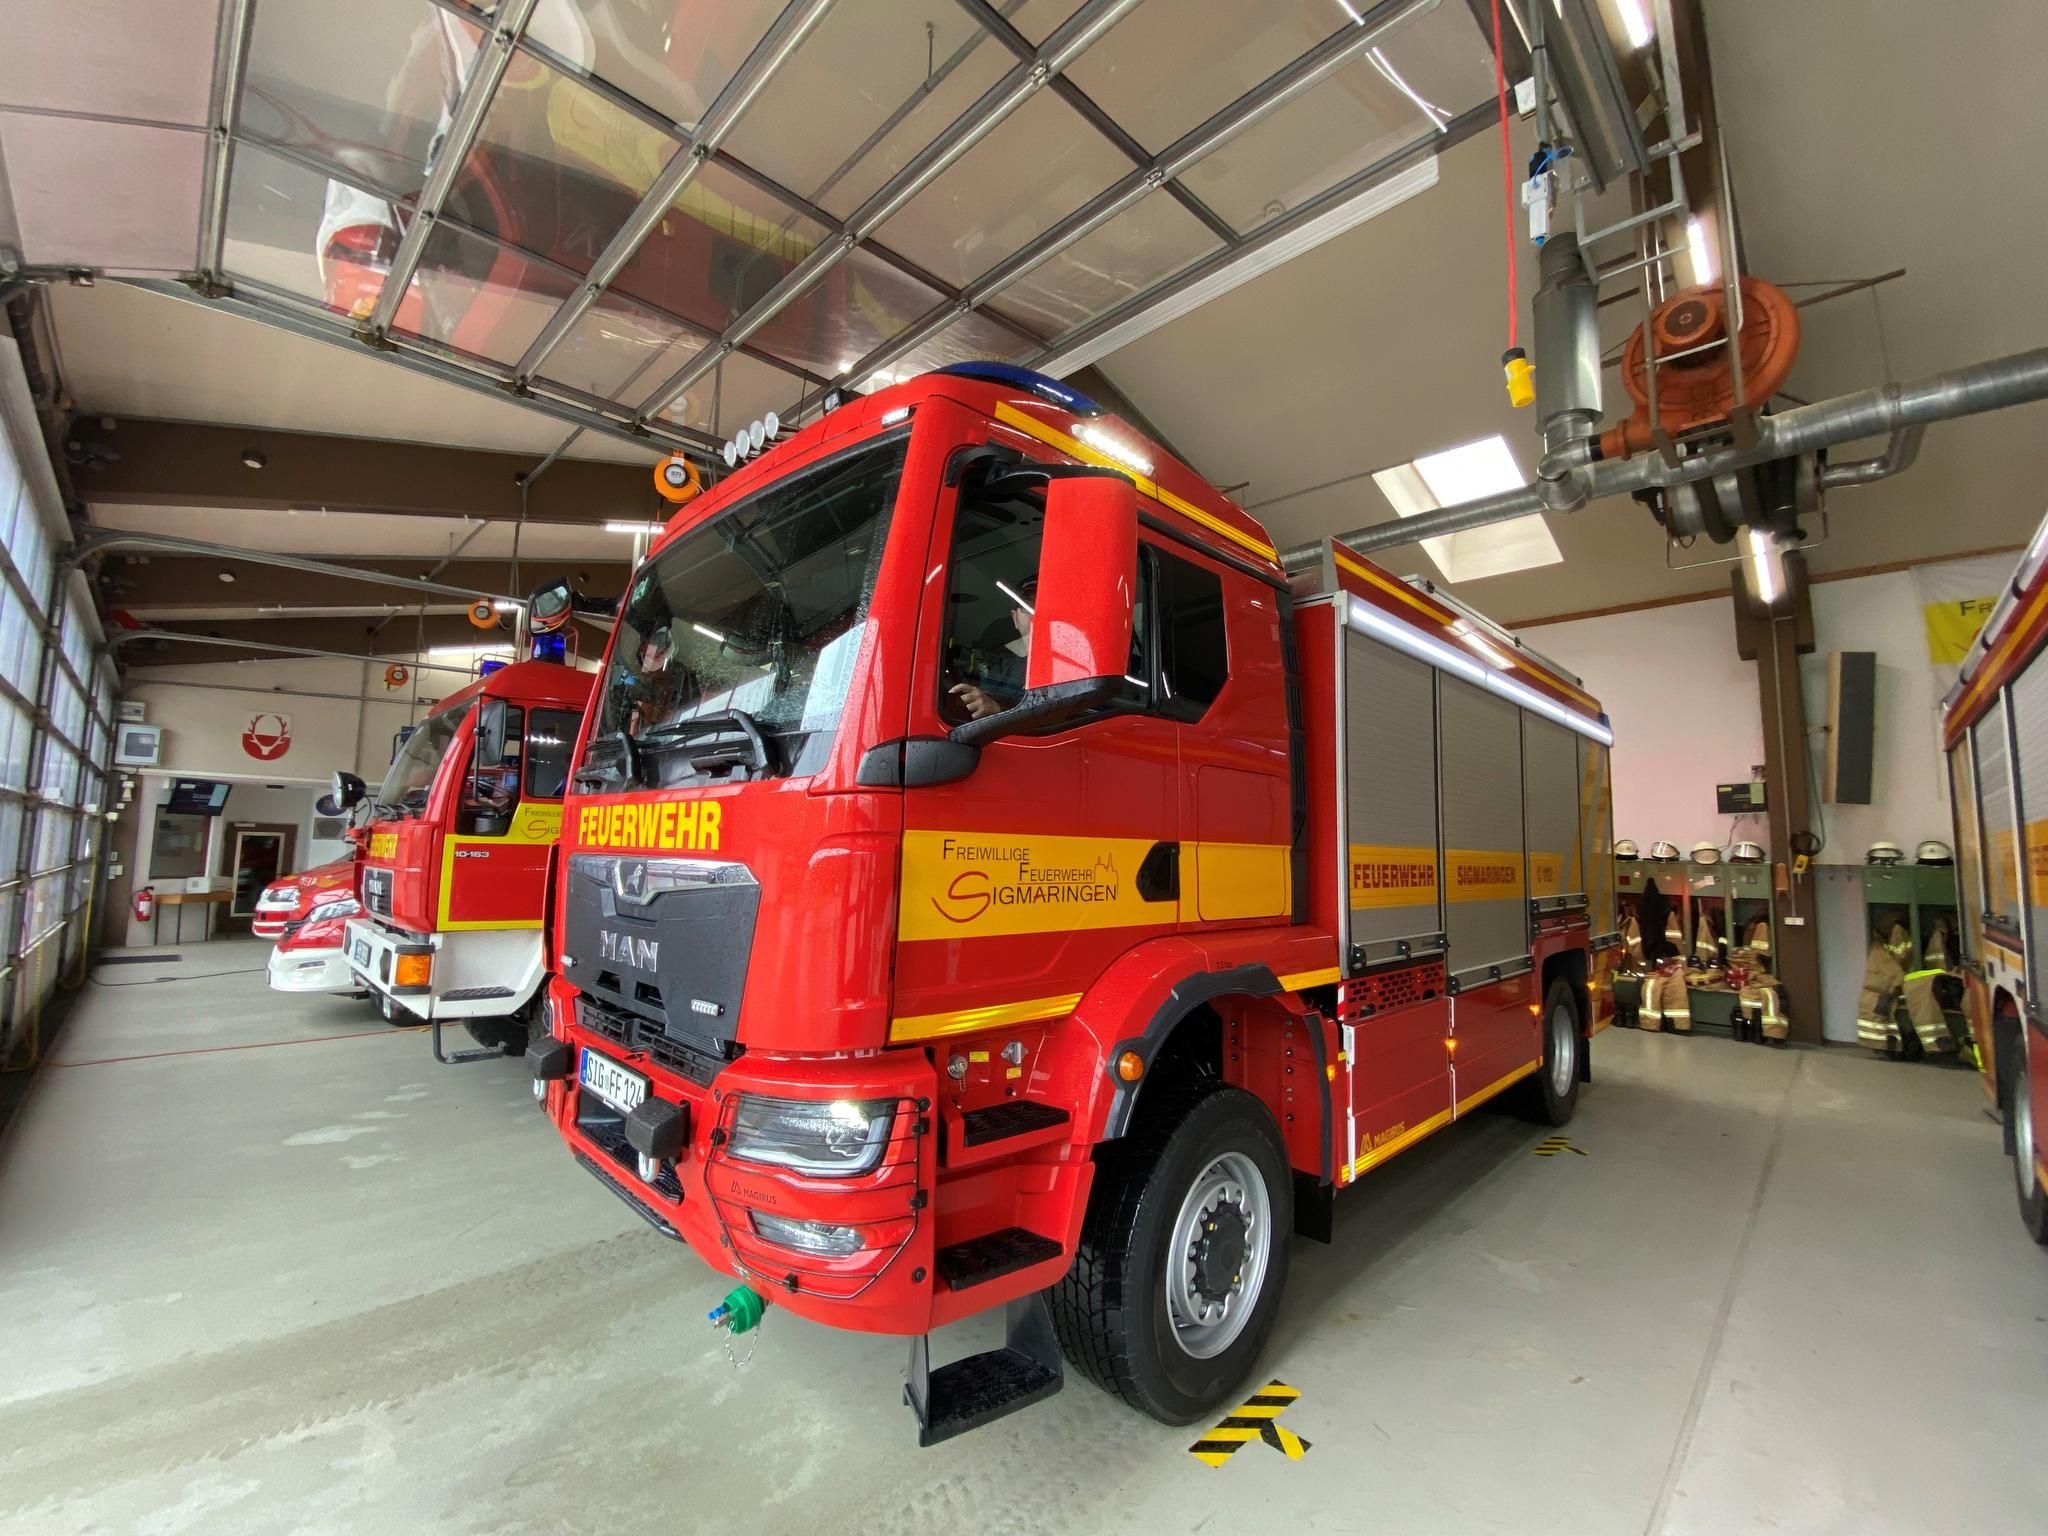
x=480, y=974
x=704, y=1197
x=311, y=970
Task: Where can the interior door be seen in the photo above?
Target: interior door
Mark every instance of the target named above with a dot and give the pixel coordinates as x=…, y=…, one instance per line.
x=260, y=855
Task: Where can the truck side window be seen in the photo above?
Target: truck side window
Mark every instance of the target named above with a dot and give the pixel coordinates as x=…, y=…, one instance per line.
x=1194, y=661
x=991, y=588
x=548, y=744
x=495, y=786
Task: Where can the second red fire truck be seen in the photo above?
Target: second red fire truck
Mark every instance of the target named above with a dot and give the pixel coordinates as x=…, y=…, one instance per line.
x=456, y=851
x=988, y=880
x=1995, y=727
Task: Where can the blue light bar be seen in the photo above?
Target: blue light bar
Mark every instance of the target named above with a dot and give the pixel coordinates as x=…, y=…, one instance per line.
x=551, y=647
x=1023, y=378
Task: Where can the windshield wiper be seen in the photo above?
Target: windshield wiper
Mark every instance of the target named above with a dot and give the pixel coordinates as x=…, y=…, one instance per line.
x=754, y=751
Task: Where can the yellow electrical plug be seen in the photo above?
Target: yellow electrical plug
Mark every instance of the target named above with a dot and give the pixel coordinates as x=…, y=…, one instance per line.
x=1521, y=377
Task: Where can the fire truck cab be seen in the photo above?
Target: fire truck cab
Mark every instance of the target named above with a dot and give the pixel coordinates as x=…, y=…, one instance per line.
x=458, y=844
x=990, y=881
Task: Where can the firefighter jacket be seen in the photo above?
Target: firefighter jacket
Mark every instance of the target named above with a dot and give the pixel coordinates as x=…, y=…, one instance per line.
x=1666, y=1003
x=1884, y=978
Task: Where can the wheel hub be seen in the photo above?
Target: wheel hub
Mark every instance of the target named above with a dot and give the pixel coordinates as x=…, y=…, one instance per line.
x=1219, y=1252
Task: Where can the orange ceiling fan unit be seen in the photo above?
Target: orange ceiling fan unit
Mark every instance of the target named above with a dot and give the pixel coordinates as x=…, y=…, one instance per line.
x=1697, y=391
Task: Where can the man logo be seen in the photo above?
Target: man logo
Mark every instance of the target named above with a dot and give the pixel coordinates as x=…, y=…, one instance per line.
x=629, y=880
x=624, y=949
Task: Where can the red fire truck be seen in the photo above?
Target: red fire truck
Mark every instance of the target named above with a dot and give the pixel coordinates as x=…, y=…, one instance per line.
x=459, y=838
x=1995, y=727
x=987, y=882
x=293, y=897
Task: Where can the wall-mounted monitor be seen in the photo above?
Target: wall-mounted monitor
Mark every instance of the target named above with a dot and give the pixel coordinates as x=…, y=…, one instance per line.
x=197, y=797
x=138, y=746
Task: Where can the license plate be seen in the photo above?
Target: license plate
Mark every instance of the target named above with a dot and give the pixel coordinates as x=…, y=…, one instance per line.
x=611, y=1082
x=359, y=952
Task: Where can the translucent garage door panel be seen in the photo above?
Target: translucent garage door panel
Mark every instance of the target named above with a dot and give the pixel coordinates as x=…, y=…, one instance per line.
x=1551, y=792
x=723, y=245
x=972, y=338
x=557, y=167
x=1994, y=800
x=1210, y=54
x=670, y=56
x=1485, y=911
x=1150, y=240
x=1433, y=68
x=867, y=90
x=1969, y=847
x=620, y=350
x=1393, y=890
x=479, y=297
x=368, y=85
x=1038, y=166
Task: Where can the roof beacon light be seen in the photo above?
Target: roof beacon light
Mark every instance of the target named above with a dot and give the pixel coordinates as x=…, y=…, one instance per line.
x=1044, y=387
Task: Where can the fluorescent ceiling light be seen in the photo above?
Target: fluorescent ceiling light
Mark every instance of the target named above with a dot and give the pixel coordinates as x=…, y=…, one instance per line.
x=1766, y=567
x=1635, y=23
x=505, y=605
x=1459, y=475
x=709, y=634
x=1702, y=251
x=633, y=527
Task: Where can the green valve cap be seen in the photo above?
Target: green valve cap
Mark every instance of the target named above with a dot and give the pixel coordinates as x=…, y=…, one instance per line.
x=740, y=1312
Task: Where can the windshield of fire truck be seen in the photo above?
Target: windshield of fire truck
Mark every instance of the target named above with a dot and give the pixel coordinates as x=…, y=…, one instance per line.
x=405, y=787
x=736, y=644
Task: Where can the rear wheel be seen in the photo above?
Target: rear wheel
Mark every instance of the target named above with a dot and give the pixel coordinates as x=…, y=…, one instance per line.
x=2026, y=1148
x=1553, y=1093
x=1182, y=1260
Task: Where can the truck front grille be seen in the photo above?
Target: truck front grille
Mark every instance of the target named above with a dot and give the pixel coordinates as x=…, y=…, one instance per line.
x=639, y=1034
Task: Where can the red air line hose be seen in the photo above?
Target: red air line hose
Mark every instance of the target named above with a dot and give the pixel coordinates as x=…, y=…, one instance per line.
x=1507, y=169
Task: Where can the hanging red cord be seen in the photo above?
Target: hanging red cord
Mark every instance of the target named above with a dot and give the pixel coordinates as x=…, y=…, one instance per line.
x=1507, y=171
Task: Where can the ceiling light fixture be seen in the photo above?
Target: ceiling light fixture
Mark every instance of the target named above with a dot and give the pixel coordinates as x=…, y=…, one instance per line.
x=633, y=527
x=226, y=576
x=1702, y=250
x=255, y=458
x=1766, y=568
x=1635, y=23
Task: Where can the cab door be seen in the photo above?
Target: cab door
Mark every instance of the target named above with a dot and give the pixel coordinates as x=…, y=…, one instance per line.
x=507, y=815
x=1027, y=874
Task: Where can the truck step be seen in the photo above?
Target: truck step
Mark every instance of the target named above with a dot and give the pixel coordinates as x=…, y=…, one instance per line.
x=966, y=1394
x=1001, y=1130
x=1008, y=1120
x=992, y=1256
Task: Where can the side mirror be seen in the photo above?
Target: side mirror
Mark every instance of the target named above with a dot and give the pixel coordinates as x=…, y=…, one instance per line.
x=549, y=607
x=347, y=789
x=1087, y=592
x=490, y=734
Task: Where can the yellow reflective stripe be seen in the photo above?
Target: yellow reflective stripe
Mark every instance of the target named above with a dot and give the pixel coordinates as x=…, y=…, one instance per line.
x=1295, y=981
x=1031, y=426
x=1407, y=1138
x=1400, y=591
x=927, y=1026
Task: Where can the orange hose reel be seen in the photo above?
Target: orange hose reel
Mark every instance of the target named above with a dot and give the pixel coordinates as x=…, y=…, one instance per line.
x=1699, y=391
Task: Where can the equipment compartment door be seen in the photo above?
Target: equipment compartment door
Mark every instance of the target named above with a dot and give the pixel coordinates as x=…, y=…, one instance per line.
x=1486, y=911
x=1394, y=891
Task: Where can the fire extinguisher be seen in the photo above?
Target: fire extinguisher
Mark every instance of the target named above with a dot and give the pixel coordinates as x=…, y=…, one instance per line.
x=145, y=904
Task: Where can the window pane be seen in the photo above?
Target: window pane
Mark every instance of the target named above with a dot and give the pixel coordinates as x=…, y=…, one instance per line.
x=548, y=744
x=1194, y=662
x=991, y=585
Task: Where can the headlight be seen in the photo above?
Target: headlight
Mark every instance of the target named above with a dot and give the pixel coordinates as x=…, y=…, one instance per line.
x=806, y=1236
x=834, y=1138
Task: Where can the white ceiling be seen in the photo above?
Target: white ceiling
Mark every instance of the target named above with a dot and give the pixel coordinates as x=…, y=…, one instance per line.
x=1855, y=147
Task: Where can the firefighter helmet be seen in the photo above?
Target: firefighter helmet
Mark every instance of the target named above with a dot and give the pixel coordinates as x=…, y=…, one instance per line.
x=1706, y=853
x=1626, y=849
x=1746, y=853
x=1932, y=852
x=1884, y=853
x=1661, y=849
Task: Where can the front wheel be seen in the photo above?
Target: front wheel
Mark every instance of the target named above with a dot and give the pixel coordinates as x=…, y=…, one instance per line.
x=2025, y=1152
x=1182, y=1260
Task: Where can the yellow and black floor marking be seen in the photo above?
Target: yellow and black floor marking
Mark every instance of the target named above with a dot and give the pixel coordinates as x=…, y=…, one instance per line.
x=1550, y=1146
x=1256, y=1418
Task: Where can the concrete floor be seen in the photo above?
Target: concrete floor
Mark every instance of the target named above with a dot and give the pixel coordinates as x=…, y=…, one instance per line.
x=266, y=1267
